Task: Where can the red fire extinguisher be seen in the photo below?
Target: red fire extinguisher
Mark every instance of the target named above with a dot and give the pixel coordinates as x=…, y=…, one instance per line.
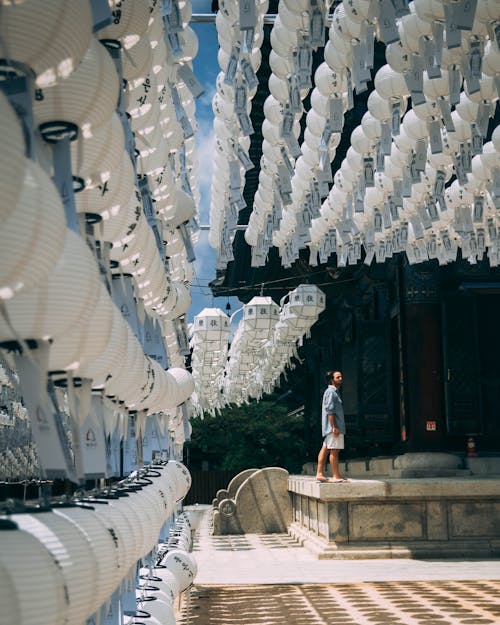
x=471, y=447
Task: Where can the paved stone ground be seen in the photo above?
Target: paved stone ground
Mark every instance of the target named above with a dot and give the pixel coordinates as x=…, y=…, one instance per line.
x=272, y=580
x=395, y=603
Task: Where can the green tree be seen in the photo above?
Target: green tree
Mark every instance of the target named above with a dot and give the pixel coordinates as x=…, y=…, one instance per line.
x=260, y=434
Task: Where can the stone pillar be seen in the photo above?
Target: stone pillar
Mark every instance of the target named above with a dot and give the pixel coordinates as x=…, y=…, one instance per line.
x=422, y=340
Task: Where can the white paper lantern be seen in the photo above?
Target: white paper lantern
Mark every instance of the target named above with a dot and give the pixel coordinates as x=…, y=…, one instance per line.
x=12, y=158
x=32, y=591
x=71, y=550
x=53, y=308
x=32, y=235
x=87, y=98
x=50, y=37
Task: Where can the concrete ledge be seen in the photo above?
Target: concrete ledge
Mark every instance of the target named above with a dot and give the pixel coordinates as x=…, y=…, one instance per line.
x=428, y=517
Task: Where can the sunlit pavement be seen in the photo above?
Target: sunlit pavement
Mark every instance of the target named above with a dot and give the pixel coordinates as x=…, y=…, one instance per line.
x=270, y=580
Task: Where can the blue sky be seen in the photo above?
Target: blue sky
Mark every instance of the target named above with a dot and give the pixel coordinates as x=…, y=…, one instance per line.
x=206, y=69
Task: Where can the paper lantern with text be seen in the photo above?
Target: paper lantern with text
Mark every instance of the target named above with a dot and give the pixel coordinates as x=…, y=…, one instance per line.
x=49, y=37
x=70, y=548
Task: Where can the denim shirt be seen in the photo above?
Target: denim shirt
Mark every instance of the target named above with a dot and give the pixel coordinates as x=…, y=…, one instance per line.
x=332, y=404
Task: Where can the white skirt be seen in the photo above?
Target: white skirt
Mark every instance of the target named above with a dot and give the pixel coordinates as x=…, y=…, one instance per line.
x=334, y=442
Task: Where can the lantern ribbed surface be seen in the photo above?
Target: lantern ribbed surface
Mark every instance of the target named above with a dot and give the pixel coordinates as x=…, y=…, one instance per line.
x=87, y=98
x=53, y=308
x=71, y=549
x=130, y=21
x=96, y=157
x=32, y=591
x=136, y=60
x=111, y=516
x=32, y=235
x=184, y=383
x=110, y=361
x=87, y=341
x=12, y=158
x=49, y=37
x=120, y=220
x=102, y=548
x=109, y=198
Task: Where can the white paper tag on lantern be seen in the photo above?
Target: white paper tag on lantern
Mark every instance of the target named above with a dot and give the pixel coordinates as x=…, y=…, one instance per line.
x=293, y=146
x=432, y=210
x=368, y=171
x=244, y=158
x=481, y=242
x=350, y=94
x=396, y=119
x=302, y=57
x=429, y=52
x=421, y=154
x=360, y=74
x=466, y=157
x=380, y=159
x=369, y=48
x=416, y=224
x=386, y=22
x=336, y=117
x=386, y=216
x=459, y=170
x=424, y=217
x=476, y=140
x=248, y=14
x=444, y=107
x=232, y=67
x=483, y=118
x=385, y=138
x=393, y=209
x=248, y=74
x=294, y=95
x=113, y=444
x=316, y=26
x=93, y=442
x=435, y=138
x=463, y=13
x=130, y=448
x=439, y=183
x=437, y=32
x=453, y=33
x=455, y=81
x=473, y=84
x=397, y=194
x=478, y=209
x=406, y=182
x=186, y=74
x=475, y=59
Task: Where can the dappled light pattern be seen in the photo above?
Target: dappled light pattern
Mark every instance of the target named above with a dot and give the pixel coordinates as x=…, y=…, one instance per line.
x=397, y=603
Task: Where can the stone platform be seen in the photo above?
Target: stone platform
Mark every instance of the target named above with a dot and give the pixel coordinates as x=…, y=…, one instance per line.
x=445, y=517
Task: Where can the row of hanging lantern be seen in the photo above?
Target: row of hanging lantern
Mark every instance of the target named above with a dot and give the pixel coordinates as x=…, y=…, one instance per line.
x=390, y=194
x=173, y=573
x=98, y=173
x=295, y=34
x=76, y=561
x=393, y=191
x=262, y=347
x=209, y=342
x=240, y=30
